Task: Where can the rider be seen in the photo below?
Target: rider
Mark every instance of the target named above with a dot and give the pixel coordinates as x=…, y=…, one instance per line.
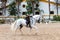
x=28, y=21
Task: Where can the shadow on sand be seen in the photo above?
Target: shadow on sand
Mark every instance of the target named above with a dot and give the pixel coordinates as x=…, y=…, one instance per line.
x=31, y=34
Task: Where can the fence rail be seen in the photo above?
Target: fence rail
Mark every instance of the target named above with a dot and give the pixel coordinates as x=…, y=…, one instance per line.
x=12, y=16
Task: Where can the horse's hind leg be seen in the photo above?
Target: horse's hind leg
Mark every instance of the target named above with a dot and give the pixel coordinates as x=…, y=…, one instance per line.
x=21, y=28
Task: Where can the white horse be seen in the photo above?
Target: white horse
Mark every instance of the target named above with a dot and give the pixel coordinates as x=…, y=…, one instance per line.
x=37, y=18
x=22, y=22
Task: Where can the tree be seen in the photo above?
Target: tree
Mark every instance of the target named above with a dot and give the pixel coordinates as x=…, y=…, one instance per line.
x=4, y=6
x=57, y=6
x=49, y=8
x=13, y=9
x=18, y=4
x=29, y=7
x=33, y=6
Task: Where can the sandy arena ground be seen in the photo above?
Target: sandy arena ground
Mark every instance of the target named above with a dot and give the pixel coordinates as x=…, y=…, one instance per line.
x=49, y=31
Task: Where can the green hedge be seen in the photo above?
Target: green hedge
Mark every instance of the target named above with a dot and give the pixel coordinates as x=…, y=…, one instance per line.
x=2, y=21
x=56, y=18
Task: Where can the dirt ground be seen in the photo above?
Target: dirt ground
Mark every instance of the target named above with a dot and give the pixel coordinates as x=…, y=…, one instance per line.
x=49, y=31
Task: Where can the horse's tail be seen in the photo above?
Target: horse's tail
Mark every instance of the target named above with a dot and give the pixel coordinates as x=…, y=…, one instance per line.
x=13, y=26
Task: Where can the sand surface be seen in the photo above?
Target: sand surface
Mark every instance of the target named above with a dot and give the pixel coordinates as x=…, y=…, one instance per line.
x=49, y=31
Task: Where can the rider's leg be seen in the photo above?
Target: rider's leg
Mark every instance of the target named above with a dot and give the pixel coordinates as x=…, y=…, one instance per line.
x=26, y=23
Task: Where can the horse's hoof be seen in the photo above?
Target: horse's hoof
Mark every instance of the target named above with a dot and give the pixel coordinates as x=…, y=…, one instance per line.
x=22, y=34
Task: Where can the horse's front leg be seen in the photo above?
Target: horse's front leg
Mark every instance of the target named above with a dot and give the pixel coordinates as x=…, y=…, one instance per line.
x=30, y=27
x=39, y=20
x=30, y=30
x=21, y=32
x=35, y=28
